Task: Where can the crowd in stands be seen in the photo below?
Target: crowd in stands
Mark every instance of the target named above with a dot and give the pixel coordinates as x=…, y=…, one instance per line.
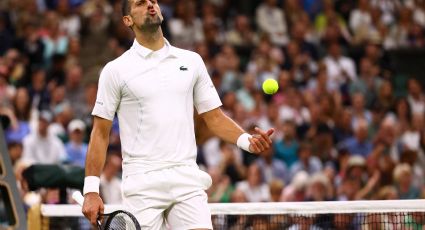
x=345, y=129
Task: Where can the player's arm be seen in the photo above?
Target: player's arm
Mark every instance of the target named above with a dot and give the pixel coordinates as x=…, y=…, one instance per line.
x=95, y=160
x=225, y=128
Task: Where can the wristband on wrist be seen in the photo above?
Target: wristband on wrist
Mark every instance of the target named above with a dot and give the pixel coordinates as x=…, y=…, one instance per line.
x=243, y=141
x=91, y=184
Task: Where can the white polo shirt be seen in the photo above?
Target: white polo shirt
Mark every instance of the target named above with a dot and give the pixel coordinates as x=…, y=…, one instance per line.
x=153, y=94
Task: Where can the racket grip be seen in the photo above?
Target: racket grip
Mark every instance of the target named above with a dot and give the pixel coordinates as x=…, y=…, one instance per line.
x=78, y=197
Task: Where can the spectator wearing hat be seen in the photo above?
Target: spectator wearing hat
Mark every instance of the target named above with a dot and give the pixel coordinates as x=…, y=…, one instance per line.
x=41, y=147
x=76, y=149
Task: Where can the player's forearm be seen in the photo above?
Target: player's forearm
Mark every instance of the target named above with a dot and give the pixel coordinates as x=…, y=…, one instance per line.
x=224, y=127
x=96, y=153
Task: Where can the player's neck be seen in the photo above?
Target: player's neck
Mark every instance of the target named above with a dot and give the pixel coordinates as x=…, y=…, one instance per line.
x=153, y=41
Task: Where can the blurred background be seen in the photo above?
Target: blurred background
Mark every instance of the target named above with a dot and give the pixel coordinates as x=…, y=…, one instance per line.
x=349, y=113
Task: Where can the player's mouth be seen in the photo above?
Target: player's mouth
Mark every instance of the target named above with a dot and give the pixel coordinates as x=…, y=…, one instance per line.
x=152, y=12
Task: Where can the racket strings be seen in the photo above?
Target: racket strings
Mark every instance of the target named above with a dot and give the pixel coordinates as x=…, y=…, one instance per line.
x=120, y=221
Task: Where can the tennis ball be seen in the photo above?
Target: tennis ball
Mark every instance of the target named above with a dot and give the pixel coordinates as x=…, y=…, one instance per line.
x=270, y=86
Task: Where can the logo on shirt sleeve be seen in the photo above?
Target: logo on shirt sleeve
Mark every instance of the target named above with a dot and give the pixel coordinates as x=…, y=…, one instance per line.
x=183, y=68
x=99, y=102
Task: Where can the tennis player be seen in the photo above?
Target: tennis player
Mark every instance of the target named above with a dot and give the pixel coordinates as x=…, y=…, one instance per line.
x=153, y=88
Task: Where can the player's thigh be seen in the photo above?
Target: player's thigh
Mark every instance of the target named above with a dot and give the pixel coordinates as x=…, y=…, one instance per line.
x=146, y=200
x=193, y=213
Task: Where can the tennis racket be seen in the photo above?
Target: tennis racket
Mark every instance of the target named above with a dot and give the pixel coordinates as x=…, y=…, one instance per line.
x=117, y=220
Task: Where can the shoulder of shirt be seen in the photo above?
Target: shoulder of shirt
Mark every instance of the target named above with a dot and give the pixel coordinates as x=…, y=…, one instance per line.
x=120, y=62
x=182, y=53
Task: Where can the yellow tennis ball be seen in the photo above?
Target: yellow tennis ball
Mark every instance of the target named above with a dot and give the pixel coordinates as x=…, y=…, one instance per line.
x=270, y=86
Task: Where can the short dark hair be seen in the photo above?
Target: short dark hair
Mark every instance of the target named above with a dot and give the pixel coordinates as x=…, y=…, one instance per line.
x=125, y=7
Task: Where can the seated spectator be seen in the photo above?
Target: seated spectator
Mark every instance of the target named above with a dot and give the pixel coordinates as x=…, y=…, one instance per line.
x=296, y=190
x=416, y=97
x=359, y=144
x=306, y=162
x=271, y=20
x=15, y=151
x=20, y=116
x=318, y=188
x=276, y=188
x=242, y=34
x=253, y=187
x=403, y=182
x=110, y=183
x=230, y=162
x=185, y=28
x=286, y=148
x=272, y=168
x=41, y=147
x=76, y=149
x=341, y=69
x=221, y=188
x=368, y=82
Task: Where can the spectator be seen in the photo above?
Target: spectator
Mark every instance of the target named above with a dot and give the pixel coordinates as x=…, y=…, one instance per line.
x=20, y=117
x=287, y=148
x=41, y=147
x=296, y=190
x=415, y=96
x=70, y=23
x=74, y=89
x=221, y=188
x=368, y=82
x=318, y=188
x=306, y=162
x=359, y=110
x=185, y=28
x=242, y=35
x=271, y=20
x=230, y=162
x=359, y=144
x=54, y=39
x=276, y=188
x=110, y=184
x=272, y=168
x=76, y=149
x=15, y=151
x=341, y=69
x=361, y=20
x=403, y=182
x=253, y=187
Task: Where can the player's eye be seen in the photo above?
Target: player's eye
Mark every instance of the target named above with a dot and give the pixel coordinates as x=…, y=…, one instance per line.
x=140, y=2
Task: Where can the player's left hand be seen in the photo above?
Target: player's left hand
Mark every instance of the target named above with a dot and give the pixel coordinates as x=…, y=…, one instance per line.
x=260, y=141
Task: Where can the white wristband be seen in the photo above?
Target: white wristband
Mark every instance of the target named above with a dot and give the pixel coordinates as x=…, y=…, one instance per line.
x=243, y=141
x=91, y=184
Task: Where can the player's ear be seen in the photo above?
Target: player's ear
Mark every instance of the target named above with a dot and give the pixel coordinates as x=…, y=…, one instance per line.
x=128, y=21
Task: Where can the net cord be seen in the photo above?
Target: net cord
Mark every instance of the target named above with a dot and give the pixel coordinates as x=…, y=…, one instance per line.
x=272, y=208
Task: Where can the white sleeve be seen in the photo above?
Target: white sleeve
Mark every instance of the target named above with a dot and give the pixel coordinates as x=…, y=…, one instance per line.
x=108, y=94
x=205, y=96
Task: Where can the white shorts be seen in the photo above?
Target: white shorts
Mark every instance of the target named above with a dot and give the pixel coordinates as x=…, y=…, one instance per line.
x=171, y=198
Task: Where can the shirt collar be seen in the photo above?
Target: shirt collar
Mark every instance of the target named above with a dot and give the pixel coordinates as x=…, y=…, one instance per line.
x=145, y=52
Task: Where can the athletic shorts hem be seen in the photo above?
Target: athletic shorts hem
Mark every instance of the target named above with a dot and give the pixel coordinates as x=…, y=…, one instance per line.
x=194, y=227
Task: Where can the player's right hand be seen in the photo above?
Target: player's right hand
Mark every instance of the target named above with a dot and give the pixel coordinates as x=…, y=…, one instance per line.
x=92, y=207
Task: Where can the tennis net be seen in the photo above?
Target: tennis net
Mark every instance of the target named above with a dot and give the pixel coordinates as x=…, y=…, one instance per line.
x=392, y=214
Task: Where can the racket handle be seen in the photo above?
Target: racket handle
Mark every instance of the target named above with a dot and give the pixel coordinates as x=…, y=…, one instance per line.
x=78, y=197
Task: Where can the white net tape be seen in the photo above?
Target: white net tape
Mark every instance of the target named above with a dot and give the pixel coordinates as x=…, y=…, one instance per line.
x=326, y=207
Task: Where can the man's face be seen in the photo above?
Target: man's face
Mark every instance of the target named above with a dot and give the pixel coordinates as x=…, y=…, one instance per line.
x=144, y=15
